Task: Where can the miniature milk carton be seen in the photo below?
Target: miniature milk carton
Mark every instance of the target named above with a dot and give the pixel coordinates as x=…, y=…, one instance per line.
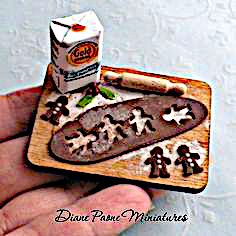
x=76, y=50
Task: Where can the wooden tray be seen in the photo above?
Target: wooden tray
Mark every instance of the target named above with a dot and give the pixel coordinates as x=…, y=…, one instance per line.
x=131, y=166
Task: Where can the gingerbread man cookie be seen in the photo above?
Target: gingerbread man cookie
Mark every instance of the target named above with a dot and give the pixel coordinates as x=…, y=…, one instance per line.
x=158, y=163
x=188, y=161
x=57, y=109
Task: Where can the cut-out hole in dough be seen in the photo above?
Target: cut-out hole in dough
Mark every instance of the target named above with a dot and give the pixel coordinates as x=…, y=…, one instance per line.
x=81, y=142
x=178, y=114
x=113, y=129
x=141, y=122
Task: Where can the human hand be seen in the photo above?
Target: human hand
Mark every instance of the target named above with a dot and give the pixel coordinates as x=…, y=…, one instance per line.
x=29, y=199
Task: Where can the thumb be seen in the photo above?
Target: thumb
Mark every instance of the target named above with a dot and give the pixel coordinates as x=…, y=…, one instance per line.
x=19, y=108
x=112, y=201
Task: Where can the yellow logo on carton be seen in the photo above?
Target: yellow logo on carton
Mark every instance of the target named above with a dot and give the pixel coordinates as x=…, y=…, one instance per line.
x=82, y=53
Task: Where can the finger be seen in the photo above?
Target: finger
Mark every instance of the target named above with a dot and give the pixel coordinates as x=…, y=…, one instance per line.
x=15, y=175
x=113, y=201
x=155, y=193
x=18, y=109
x=27, y=206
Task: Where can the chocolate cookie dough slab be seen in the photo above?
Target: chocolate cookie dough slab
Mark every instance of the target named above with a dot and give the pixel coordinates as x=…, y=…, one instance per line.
x=142, y=122
x=130, y=166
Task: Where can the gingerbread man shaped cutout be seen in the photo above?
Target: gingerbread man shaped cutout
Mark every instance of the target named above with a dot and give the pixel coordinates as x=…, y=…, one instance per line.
x=188, y=161
x=112, y=129
x=158, y=163
x=81, y=142
x=141, y=122
x=57, y=109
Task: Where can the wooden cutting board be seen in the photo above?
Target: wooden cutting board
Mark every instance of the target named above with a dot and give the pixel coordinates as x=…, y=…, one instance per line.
x=131, y=166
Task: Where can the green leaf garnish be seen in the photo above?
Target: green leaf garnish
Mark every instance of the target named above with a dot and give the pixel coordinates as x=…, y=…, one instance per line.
x=84, y=101
x=107, y=93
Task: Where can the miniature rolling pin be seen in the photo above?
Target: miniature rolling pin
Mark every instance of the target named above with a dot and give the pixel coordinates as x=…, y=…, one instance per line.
x=147, y=83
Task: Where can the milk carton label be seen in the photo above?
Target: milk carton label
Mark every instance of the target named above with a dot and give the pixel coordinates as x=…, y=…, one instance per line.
x=76, y=50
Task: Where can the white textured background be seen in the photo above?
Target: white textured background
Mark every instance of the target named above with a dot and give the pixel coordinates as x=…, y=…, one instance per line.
x=193, y=38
